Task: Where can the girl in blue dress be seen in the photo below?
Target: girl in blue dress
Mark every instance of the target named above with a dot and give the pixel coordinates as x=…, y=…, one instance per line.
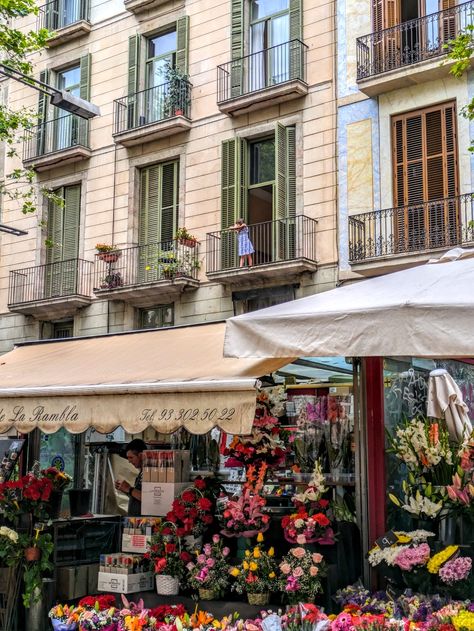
x=245, y=246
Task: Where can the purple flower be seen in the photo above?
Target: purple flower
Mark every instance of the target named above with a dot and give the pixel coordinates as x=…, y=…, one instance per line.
x=455, y=570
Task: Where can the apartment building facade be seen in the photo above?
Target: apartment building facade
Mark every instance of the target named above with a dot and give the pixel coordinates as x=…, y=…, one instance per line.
x=405, y=185
x=210, y=111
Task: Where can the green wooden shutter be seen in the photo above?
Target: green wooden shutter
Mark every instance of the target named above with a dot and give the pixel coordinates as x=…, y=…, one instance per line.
x=237, y=47
x=284, y=207
x=291, y=191
x=182, y=44
x=296, y=58
x=63, y=232
x=81, y=136
x=169, y=202
x=42, y=115
x=230, y=193
x=134, y=48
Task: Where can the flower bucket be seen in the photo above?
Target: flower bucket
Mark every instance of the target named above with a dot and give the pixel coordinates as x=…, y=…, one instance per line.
x=60, y=625
x=206, y=594
x=54, y=504
x=32, y=554
x=259, y=599
x=167, y=585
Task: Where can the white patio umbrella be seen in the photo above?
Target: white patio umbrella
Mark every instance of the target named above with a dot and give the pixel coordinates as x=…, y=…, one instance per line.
x=425, y=311
x=445, y=400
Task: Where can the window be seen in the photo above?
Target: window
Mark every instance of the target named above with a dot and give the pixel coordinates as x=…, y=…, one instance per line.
x=63, y=242
x=64, y=130
x=424, y=154
x=255, y=299
x=148, y=60
x=158, y=215
x=275, y=56
x=156, y=317
x=259, y=185
x=62, y=13
x=57, y=330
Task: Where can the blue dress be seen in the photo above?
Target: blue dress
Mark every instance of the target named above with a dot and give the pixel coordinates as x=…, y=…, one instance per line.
x=245, y=245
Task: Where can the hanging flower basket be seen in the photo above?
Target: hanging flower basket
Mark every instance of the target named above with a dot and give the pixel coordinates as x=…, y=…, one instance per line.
x=259, y=599
x=109, y=257
x=167, y=585
x=32, y=554
x=189, y=243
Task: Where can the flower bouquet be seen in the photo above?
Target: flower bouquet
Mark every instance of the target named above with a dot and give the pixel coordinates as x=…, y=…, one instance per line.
x=310, y=523
x=169, y=561
x=10, y=547
x=28, y=495
x=95, y=619
x=64, y=617
x=209, y=573
x=256, y=575
x=59, y=479
x=301, y=573
x=191, y=512
x=99, y=602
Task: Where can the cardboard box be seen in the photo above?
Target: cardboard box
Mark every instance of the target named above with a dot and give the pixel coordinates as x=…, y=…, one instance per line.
x=135, y=543
x=125, y=583
x=72, y=582
x=157, y=497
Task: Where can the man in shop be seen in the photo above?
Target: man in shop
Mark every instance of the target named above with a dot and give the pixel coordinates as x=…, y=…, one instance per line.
x=134, y=454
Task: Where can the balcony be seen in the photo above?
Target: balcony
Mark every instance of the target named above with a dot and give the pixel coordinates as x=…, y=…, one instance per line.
x=409, y=53
x=284, y=249
x=397, y=237
x=138, y=6
x=147, y=275
x=54, y=290
x=67, y=20
x=59, y=141
x=161, y=111
x=265, y=78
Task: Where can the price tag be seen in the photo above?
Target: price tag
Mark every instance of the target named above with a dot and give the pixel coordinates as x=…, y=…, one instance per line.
x=386, y=540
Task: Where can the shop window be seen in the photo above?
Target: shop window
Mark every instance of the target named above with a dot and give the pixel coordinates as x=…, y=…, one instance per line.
x=255, y=299
x=156, y=317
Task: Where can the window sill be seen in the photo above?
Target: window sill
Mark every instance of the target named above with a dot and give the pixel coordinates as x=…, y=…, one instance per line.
x=67, y=33
x=153, y=131
x=266, y=97
x=48, y=161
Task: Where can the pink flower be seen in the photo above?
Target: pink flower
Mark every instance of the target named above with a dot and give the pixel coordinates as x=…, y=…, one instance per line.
x=313, y=570
x=225, y=551
x=207, y=550
x=285, y=568
x=201, y=558
x=455, y=570
x=210, y=562
x=298, y=571
x=317, y=558
x=216, y=538
x=301, y=539
x=298, y=552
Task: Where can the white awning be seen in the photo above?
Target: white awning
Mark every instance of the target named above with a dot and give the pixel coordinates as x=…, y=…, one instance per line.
x=163, y=379
x=425, y=311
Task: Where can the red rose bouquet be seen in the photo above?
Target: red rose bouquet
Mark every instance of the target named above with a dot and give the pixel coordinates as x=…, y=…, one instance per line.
x=267, y=443
x=192, y=511
x=28, y=495
x=165, y=552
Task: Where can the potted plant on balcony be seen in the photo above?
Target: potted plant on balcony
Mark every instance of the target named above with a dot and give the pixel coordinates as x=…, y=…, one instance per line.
x=177, y=99
x=185, y=238
x=107, y=253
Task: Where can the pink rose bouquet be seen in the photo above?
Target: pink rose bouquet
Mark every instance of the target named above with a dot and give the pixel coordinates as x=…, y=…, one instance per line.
x=409, y=558
x=301, y=573
x=210, y=570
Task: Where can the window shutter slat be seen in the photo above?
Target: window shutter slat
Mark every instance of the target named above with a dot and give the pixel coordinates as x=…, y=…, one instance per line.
x=296, y=20
x=237, y=47
x=84, y=93
x=169, y=201
x=280, y=196
x=72, y=207
x=230, y=166
x=182, y=43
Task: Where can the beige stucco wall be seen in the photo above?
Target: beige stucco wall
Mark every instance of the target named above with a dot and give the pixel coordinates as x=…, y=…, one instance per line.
x=106, y=205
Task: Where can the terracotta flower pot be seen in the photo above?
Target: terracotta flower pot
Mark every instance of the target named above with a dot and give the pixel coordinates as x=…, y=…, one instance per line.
x=189, y=243
x=109, y=257
x=32, y=554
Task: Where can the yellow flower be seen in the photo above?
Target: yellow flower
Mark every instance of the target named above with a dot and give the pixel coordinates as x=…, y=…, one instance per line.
x=247, y=553
x=271, y=575
x=260, y=537
x=403, y=539
x=235, y=571
x=216, y=624
x=245, y=565
x=437, y=560
x=464, y=620
x=256, y=553
x=147, y=268
x=253, y=566
x=271, y=552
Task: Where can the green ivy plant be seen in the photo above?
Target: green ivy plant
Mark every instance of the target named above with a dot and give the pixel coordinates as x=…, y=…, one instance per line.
x=34, y=571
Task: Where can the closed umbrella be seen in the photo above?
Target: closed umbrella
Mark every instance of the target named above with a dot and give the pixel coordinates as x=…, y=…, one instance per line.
x=445, y=401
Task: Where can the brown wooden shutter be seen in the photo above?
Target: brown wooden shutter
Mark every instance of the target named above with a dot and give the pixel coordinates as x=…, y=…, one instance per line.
x=385, y=15
x=448, y=29
x=425, y=185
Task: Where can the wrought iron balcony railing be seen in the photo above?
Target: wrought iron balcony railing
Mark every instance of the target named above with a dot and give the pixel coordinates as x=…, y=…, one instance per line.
x=439, y=223
x=413, y=41
x=273, y=241
x=57, y=15
x=62, y=133
x=146, y=264
x=266, y=68
x=152, y=105
x=52, y=280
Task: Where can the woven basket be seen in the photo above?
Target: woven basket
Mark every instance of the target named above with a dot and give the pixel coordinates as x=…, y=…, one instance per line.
x=167, y=585
x=206, y=594
x=258, y=599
